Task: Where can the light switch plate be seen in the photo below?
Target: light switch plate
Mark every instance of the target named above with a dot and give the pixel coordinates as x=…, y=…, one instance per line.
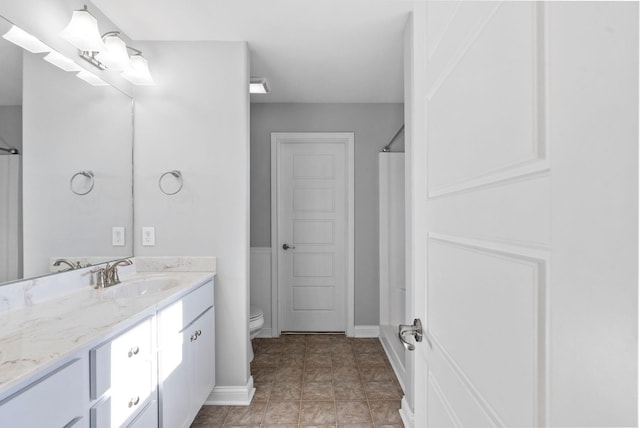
x=148, y=236
x=117, y=236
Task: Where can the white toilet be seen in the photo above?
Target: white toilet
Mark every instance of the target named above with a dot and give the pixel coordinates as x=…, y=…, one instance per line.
x=256, y=321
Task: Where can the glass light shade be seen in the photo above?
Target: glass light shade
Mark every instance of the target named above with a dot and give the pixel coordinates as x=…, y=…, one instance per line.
x=115, y=56
x=62, y=61
x=139, y=73
x=82, y=32
x=258, y=86
x=25, y=40
x=91, y=78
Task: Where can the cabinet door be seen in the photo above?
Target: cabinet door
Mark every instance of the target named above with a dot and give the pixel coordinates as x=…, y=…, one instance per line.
x=203, y=353
x=148, y=417
x=186, y=356
x=173, y=366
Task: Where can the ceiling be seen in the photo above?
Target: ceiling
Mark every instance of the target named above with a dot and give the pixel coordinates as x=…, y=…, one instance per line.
x=322, y=51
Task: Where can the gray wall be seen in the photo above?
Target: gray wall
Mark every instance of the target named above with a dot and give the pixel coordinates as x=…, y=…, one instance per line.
x=373, y=125
x=11, y=126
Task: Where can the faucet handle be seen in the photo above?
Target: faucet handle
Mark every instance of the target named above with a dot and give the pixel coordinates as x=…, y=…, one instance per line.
x=100, y=277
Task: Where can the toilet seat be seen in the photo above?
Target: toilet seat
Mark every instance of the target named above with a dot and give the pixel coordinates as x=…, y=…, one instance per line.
x=256, y=321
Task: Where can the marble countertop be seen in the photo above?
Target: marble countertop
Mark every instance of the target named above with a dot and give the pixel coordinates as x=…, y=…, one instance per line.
x=38, y=337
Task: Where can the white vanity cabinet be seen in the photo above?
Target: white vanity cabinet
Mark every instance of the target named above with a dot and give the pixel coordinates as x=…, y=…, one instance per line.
x=58, y=399
x=145, y=360
x=186, y=363
x=123, y=381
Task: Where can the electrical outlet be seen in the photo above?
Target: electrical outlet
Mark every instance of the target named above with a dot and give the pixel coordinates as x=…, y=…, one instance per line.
x=117, y=236
x=148, y=236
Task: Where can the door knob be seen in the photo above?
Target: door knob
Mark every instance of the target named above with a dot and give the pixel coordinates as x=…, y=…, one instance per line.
x=286, y=247
x=415, y=330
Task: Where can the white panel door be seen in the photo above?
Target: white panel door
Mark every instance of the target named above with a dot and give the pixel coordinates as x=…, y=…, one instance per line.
x=523, y=112
x=312, y=192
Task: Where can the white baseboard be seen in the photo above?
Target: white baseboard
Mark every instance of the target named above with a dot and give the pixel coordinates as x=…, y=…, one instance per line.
x=406, y=413
x=396, y=363
x=366, y=331
x=232, y=395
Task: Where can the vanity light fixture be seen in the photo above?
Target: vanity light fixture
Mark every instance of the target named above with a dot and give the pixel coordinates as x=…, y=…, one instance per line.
x=258, y=85
x=91, y=78
x=61, y=61
x=139, y=73
x=82, y=32
x=106, y=52
x=18, y=36
x=115, y=55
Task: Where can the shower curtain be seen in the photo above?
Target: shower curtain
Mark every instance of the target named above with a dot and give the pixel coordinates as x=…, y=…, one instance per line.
x=392, y=256
x=9, y=217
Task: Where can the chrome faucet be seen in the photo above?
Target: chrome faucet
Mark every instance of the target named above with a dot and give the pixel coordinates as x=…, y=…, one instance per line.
x=108, y=275
x=68, y=263
x=111, y=272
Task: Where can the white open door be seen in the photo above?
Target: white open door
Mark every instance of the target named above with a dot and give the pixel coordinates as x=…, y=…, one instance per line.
x=523, y=173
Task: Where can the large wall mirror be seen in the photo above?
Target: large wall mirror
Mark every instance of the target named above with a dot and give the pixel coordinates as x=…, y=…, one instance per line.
x=65, y=167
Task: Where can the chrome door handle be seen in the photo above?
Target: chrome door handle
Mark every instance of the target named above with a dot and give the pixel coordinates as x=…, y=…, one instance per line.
x=286, y=247
x=415, y=330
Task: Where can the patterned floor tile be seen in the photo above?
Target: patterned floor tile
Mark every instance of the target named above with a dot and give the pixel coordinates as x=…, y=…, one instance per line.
x=315, y=381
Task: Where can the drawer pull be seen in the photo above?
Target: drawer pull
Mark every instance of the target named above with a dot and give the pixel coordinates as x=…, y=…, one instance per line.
x=134, y=401
x=133, y=351
x=196, y=335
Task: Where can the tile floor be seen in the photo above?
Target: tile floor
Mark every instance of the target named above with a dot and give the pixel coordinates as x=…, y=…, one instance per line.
x=318, y=381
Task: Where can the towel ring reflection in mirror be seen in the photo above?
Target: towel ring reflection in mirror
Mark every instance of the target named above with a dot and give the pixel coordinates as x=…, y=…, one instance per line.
x=75, y=186
x=163, y=187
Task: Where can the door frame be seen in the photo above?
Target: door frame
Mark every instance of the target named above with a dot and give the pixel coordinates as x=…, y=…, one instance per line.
x=347, y=139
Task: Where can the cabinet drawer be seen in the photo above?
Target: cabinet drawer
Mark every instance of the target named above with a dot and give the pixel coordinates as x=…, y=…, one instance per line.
x=177, y=316
x=125, y=400
x=116, y=362
x=54, y=401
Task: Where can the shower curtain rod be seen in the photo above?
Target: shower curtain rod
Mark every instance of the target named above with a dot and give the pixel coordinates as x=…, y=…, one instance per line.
x=387, y=148
x=10, y=150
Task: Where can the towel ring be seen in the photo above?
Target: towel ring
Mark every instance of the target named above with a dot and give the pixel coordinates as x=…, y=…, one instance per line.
x=177, y=175
x=87, y=174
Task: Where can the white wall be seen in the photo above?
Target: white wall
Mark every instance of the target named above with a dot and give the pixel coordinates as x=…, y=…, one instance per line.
x=196, y=120
x=373, y=125
x=71, y=126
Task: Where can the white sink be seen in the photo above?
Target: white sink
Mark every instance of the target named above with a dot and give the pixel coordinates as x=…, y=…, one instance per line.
x=139, y=286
